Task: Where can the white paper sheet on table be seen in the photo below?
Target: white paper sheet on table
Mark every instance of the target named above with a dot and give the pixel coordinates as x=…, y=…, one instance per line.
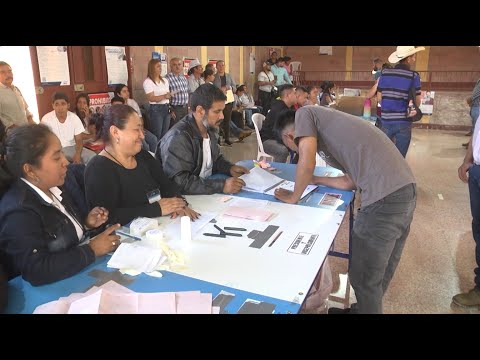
x=259, y=180
x=136, y=257
x=290, y=185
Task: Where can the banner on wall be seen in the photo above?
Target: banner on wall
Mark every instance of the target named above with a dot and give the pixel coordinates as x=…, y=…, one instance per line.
x=351, y=92
x=326, y=50
x=186, y=62
x=214, y=63
x=53, y=65
x=163, y=61
x=426, y=104
x=99, y=102
x=117, y=71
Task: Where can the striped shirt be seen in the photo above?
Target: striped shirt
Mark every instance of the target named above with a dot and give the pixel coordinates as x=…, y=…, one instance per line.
x=476, y=94
x=394, y=85
x=178, y=83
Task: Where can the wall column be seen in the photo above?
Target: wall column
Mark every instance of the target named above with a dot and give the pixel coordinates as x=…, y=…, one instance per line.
x=227, y=59
x=348, y=63
x=203, y=55
x=241, y=64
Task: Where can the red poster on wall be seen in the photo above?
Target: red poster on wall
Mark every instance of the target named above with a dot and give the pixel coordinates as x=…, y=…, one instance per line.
x=186, y=63
x=214, y=63
x=100, y=102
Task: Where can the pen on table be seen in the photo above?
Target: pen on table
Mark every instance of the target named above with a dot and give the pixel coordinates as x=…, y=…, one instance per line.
x=276, y=237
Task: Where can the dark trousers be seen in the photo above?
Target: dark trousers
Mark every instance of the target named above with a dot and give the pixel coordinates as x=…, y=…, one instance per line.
x=227, y=114
x=378, y=238
x=180, y=112
x=474, y=188
x=265, y=100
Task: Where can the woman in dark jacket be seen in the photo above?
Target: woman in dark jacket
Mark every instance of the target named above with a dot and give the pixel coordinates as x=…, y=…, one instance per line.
x=40, y=231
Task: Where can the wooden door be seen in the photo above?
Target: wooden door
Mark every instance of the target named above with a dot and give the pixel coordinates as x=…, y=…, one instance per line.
x=88, y=74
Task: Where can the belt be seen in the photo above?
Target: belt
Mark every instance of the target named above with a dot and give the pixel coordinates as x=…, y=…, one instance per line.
x=182, y=106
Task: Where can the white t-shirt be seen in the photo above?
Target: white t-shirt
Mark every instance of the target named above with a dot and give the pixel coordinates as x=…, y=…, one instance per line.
x=268, y=76
x=57, y=203
x=66, y=131
x=132, y=103
x=207, y=163
x=476, y=142
x=158, y=89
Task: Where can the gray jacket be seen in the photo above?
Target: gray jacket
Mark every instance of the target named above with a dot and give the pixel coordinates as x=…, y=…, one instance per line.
x=181, y=154
x=218, y=82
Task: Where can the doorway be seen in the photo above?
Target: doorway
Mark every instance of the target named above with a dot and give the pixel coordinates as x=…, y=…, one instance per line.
x=19, y=59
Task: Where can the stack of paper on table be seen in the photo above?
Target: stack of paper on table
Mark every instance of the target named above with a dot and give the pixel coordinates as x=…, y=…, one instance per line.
x=112, y=298
x=262, y=181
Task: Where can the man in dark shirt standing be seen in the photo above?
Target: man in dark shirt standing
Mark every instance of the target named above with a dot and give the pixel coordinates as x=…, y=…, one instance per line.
x=271, y=146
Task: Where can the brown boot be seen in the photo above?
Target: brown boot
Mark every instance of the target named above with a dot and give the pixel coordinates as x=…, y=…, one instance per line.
x=472, y=298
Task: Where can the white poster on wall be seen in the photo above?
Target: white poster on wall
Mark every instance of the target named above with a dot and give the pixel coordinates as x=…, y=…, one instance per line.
x=427, y=101
x=326, y=50
x=53, y=65
x=116, y=65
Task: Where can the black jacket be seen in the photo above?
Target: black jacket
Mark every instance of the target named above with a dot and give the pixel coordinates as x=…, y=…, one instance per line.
x=267, y=132
x=39, y=240
x=181, y=153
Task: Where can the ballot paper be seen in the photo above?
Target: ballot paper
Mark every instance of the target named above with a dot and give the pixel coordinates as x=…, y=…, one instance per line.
x=262, y=181
x=113, y=298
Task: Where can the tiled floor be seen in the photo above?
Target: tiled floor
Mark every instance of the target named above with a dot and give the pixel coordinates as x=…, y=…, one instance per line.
x=438, y=259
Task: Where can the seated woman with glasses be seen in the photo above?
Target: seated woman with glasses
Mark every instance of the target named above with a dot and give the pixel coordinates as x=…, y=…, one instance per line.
x=127, y=180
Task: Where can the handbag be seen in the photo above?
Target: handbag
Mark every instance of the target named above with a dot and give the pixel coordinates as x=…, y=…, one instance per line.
x=274, y=90
x=411, y=97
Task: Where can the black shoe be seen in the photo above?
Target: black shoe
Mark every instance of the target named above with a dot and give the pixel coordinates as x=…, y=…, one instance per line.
x=465, y=145
x=228, y=142
x=335, y=310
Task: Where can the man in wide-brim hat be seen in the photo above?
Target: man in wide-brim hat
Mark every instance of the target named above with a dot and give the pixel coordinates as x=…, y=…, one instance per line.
x=393, y=95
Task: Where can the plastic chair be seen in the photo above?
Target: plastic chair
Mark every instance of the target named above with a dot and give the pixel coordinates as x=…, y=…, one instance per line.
x=296, y=65
x=258, y=122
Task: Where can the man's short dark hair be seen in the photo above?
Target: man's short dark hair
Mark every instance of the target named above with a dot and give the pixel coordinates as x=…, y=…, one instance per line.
x=117, y=99
x=59, y=95
x=284, y=119
x=283, y=88
x=205, y=96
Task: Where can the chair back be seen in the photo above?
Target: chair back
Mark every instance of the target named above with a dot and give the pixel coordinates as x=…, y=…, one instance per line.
x=257, y=120
x=296, y=65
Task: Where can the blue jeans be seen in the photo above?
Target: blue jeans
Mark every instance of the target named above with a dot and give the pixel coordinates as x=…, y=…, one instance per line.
x=474, y=113
x=474, y=188
x=400, y=134
x=159, y=119
x=249, y=113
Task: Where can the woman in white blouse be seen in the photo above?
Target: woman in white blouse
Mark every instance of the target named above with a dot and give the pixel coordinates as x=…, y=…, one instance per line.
x=158, y=94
